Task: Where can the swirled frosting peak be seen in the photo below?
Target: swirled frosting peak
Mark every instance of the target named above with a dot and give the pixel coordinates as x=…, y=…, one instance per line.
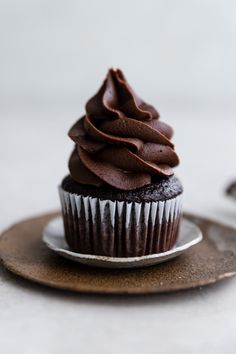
x=120, y=141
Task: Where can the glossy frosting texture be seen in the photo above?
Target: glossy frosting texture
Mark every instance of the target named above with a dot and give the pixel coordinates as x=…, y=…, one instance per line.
x=120, y=141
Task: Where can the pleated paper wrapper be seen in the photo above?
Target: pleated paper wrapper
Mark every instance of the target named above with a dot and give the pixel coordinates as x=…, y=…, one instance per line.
x=119, y=228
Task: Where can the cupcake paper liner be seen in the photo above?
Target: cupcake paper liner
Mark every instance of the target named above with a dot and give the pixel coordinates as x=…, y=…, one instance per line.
x=119, y=228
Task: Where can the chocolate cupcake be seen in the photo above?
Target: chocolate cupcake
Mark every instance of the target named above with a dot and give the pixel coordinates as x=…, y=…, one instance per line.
x=121, y=198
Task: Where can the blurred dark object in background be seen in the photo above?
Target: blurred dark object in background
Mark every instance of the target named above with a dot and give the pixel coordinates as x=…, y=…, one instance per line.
x=231, y=190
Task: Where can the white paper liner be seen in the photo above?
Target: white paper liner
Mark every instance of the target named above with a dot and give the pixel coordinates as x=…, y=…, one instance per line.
x=119, y=228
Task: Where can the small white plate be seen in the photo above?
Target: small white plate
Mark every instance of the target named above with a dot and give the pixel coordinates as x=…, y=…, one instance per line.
x=53, y=237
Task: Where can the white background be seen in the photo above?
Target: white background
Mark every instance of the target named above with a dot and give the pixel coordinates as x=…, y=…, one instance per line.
x=61, y=49
x=179, y=56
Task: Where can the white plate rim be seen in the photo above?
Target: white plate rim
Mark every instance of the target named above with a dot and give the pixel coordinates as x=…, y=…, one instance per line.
x=119, y=260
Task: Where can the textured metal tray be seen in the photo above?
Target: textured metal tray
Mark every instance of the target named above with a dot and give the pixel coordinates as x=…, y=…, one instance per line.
x=23, y=252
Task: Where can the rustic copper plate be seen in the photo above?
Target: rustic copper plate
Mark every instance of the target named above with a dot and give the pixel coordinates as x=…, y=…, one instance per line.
x=23, y=252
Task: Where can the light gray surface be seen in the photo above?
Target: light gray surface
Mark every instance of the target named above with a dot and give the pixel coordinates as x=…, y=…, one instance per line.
x=180, y=56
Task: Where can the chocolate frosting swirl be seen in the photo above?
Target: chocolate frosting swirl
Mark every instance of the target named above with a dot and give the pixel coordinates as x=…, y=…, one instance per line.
x=120, y=141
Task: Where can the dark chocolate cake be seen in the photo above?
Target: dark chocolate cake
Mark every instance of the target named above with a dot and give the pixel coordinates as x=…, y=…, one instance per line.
x=121, y=198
